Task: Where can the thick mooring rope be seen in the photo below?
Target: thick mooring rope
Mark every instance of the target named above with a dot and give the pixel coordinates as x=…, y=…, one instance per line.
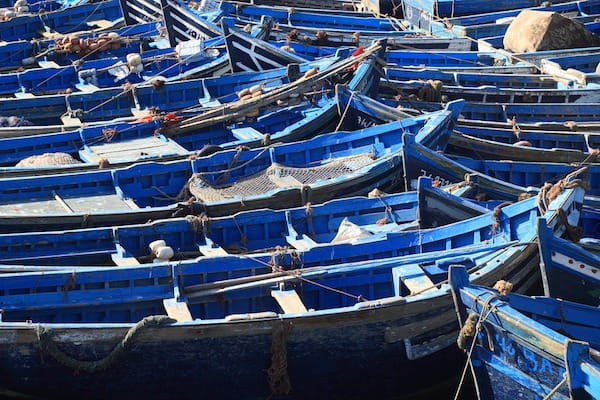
x=49, y=346
x=277, y=374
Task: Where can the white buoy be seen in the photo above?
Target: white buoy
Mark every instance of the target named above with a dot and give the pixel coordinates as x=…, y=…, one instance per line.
x=156, y=244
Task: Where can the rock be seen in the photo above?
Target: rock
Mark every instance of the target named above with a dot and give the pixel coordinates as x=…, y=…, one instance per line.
x=543, y=30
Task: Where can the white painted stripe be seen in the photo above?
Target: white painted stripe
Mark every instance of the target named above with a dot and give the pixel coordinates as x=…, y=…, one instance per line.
x=254, y=56
x=577, y=266
x=243, y=67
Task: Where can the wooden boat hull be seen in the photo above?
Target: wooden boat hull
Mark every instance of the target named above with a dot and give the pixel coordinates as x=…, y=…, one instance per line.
x=224, y=360
x=467, y=145
x=517, y=352
x=393, y=338
x=65, y=20
x=566, y=266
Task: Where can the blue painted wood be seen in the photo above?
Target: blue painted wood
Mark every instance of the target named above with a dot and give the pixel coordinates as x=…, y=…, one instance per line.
x=531, y=173
x=425, y=14
x=395, y=39
x=283, y=123
x=492, y=94
x=522, y=113
x=153, y=186
x=162, y=63
x=473, y=79
x=566, y=266
x=547, y=139
x=496, y=179
x=527, y=346
x=14, y=52
x=72, y=19
x=318, y=20
x=405, y=328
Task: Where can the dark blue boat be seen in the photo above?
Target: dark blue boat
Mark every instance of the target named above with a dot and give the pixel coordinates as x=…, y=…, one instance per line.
x=493, y=143
x=240, y=339
x=569, y=271
x=382, y=316
x=100, y=15
x=527, y=347
x=308, y=229
x=328, y=166
x=41, y=53
x=438, y=16
x=489, y=94
x=122, y=144
x=497, y=179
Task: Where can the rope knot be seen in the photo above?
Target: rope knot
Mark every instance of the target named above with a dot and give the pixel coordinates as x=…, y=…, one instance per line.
x=496, y=214
x=573, y=232
x=503, y=287
x=467, y=331
x=109, y=133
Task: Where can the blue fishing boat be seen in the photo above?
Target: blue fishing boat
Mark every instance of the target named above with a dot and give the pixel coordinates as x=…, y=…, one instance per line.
x=119, y=144
x=100, y=16
x=545, y=138
x=32, y=54
x=395, y=39
x=566, y=265
x=234, y=336
x=431, y=15
x=527, y=346
x=468, y=146
x=289, y=18
x=531, y=173
x=497, y=179
x=412, y=317
x=488, y=143
x=572, y=116
x=472, y=78
x=135, y=100
x=328, y=166
x=487, y=94
x=112, y=72
x=328, y=6
x=305, y=230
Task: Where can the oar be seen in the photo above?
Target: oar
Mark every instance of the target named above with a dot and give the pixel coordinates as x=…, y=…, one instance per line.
x=240, y=108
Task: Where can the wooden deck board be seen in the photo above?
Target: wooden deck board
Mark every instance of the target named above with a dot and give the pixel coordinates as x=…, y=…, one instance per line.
x=132, y=149
x=51, y=205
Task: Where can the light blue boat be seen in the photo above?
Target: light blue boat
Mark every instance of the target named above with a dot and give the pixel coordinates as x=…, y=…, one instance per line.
x=527, y=346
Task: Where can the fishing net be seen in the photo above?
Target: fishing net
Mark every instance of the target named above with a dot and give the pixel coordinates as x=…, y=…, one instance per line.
x=47, y=159
x=277, y=176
